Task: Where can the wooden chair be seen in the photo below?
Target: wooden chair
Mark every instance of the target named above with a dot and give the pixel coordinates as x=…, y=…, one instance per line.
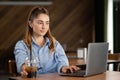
x=12, y=67
x=114, y=57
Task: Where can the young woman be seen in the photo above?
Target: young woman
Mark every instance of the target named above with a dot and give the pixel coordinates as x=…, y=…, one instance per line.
x=42, y=44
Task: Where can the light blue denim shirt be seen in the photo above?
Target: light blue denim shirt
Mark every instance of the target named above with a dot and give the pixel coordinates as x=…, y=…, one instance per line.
x=48, y=63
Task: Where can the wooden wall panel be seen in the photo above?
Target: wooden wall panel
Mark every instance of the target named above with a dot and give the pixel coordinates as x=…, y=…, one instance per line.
x=72, y=23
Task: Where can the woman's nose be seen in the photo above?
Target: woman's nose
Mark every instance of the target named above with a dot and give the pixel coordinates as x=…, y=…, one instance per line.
x=43, y=25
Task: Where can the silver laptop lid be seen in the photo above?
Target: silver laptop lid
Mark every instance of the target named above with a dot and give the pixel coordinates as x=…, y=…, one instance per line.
x=96, y=58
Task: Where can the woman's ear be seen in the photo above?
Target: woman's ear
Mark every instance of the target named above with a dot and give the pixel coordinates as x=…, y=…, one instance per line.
x=30, y=23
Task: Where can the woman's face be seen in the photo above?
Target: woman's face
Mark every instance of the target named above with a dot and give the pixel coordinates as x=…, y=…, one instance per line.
x=40, y=25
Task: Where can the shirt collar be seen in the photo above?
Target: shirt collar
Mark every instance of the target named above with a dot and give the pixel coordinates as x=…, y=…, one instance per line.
x=46, y=43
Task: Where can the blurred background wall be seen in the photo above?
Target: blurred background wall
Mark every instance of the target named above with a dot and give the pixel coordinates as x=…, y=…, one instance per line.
x=72, y=24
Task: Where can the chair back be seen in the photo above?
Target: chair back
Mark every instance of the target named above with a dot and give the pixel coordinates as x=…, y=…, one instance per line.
x=12, y=67
x=113, y=56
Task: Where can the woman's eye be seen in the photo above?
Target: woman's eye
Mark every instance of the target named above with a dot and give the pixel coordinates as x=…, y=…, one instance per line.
x=39, y=22
x=47, y=23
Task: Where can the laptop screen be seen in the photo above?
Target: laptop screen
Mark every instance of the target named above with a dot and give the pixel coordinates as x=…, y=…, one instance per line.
x=97, y=58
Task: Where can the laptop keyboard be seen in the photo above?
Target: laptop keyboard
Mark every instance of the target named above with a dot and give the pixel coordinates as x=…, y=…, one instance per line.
x=78, y=73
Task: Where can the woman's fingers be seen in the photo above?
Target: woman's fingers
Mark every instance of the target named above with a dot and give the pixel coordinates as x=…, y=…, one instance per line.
x=24, y=72
x=64, y=69
x=74, y=68
x=69, y=69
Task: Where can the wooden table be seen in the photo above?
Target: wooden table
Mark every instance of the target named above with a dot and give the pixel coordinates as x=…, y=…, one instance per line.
x=109, y=75
x=77, y=61
x=72, y=56
x=113, y=61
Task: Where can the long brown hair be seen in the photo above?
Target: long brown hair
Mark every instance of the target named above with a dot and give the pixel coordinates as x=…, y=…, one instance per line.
x=29, y=31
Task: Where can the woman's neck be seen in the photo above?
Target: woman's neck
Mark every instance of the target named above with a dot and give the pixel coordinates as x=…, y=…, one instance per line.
x=39, y=40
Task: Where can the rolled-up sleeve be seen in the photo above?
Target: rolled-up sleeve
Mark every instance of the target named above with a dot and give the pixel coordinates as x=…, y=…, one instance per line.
x=61, y=57
x=20, y=52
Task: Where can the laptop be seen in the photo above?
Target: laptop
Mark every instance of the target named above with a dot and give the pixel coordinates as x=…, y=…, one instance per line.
x=96, y=61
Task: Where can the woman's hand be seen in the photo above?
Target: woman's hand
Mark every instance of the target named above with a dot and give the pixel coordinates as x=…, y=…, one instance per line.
x=24, y=72
x=70, y=69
